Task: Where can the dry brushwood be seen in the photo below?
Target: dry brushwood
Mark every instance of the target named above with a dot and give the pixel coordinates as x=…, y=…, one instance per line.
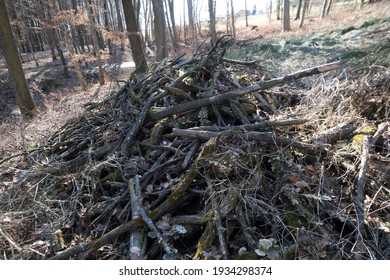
x=187, y=161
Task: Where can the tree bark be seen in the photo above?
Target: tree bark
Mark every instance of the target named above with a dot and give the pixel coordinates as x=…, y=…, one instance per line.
x=246, y=14
x=15, y=70
x=171, y=8
x=286, y=15
x=329, y=6
x=233, y=19
x=160, y=29
x=134, y=37
x=324, y=5
x=191, y=22
x=298, y=15
x=278, y=4
x=120, y=22
x=107, y=24
x=213, y=30
x=305, y=2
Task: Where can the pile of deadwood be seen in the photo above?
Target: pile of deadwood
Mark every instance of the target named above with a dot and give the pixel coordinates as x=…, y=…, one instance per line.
x=192, y=161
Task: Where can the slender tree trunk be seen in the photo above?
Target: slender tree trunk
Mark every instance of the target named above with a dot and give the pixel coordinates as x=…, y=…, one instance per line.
x=286, y=15
x=329, y=6
x=50, y=41
x=134, y=37
x=324, y=5
x=298, y=15
x=15, y=70
x=120, y=23
x=305, y=3
x=107, y=25
x=31, y=46
x=191, y=23
x=213, y=30
x=278, y=4
x=233, y=19
x=160, y=29
x=171, y=8
x=246, y=14
x=228, y=26
x=270, y=11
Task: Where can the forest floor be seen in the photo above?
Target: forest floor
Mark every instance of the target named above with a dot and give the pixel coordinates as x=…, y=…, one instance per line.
x=358, y=93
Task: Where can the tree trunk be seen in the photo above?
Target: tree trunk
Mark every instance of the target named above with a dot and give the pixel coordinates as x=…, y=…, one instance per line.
x=298, y=15
x=120, y=23
x=329, y=6
x=305, y=3
x=171, y=8
x=107, y=25
x=15, y=70
x=233, y=19
x=246, y=14
x=270, y=11
x=324, y=5
x=213, y=29
x=286, y=15
x=191, y=22
x=160, y=29
x=134, y=37
x=278, y=4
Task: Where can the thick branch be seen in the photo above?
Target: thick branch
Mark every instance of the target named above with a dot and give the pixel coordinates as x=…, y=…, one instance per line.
x=261, y=137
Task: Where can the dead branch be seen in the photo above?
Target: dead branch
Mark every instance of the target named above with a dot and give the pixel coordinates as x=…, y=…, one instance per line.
x=260, y=137
x=188, y=106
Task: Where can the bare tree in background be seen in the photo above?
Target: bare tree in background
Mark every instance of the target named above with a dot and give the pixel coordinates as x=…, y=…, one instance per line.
x=298, y=14
x=278, y=4
x=15, y=70
x=134, y=35
x=246, y=14
x=233, y=19
x=305, y=3
x=213, y=29
x=286, y=15
x=160, y=29
x=191, y=20
x=171, y=8
x=120, y=22
x=326, y=8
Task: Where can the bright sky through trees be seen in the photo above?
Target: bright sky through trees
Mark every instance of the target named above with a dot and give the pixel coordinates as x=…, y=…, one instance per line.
x=202, y=7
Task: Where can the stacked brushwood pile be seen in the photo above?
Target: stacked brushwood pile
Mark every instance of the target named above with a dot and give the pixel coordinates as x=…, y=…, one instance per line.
x=190, y=160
